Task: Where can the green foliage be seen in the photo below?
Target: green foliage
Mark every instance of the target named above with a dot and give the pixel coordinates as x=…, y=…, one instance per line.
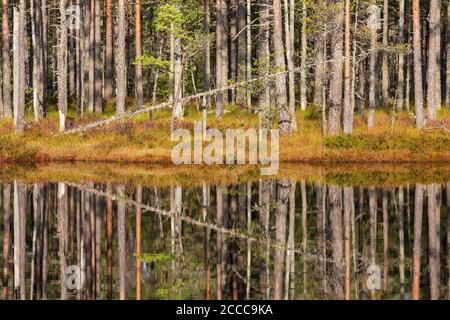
x=150, y=61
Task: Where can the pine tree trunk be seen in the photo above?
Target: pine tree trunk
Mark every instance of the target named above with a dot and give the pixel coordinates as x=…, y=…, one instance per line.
x=98, y=102
x=6, y=72
x=241, y=50
x=19, y=65
x=284, y=121
x=249, y=52
x=418, y=84
x=373, y=58
x=303, y=58
x=401, y=57
x=138, y=67
x=336, y=69
x=233, y=46
x=108, y=90
x=62, y=66
x=207, y=52
x=264, y=64
x=220, y=34
x=290, y=65
x=434, y=60
x=348, y=109
x=385, y=62
x=121, y=62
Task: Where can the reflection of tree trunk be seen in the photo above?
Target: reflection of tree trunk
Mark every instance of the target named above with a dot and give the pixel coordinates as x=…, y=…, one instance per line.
x=401, y=237
x=418, y=211
x=87, y=244
x=6, y=201
x=122, y=238
x=433, y=228
x=206, y=219
x=321, y=236
x=304, y=231
x=62, y=234
x=109, y=243
x=234, y=247
x=20, y=200
x=264, y=217
x=336, y=239
x=448, y=236
x=219, y=220
x=280, y=236
x=385, y=241
x=138, y=244
x=373, y=208
x=249, y=232
x=348, y=207
x=290, y=256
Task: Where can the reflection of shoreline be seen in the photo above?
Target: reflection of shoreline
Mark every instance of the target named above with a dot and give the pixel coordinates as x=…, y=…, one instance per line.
x=162, y=175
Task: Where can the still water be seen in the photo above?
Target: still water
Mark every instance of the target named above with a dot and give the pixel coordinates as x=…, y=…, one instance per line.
x=261, y=239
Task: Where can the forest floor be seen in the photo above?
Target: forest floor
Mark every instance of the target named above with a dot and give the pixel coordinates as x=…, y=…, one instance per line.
x=144, y=141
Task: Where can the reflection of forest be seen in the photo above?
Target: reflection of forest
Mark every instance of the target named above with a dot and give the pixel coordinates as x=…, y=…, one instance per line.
x=271, y=239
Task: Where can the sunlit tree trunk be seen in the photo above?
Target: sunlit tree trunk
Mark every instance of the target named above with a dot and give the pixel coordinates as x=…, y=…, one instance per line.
x=264, y=65
x=290, y=63
x=121, y=74
x=207, y=52
x=285, y=119
x=62, y=66
x=385, y=60
x=335, y=111
x=434, y=60
x=19, y=45
x=401, y=57
x=6, y=72
x=109, y=52
x=373, y=58
x=138, y=48
x=348, y=108
x=418, y=84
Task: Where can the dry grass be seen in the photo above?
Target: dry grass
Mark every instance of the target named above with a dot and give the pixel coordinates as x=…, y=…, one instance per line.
x=148, y=141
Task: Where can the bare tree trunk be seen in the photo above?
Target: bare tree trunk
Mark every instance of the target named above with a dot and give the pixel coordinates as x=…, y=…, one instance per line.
x=138, y=66
x=373, y=57
x=285, y=118
x=401, y=58
x=290, y=64
x=19, y=65
x=434, y=60
x=98, y=102
x=108, y=90
x=221, y=55
x=121, y=61
x=38, y=60
x=249, y=51
x=447, y=83
x=418, y=84
x=264, y=65
x=348, y=108
x=178, y=110
x=207, y=52
x=6, y=72
x=385, y=63
x=336, y=69
x=62, y=66
x=304, y=48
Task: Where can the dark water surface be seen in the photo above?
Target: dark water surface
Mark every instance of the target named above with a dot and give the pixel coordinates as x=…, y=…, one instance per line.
x=264, y=239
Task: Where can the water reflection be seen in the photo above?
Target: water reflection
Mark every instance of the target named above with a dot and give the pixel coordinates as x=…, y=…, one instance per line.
x=267, y=239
